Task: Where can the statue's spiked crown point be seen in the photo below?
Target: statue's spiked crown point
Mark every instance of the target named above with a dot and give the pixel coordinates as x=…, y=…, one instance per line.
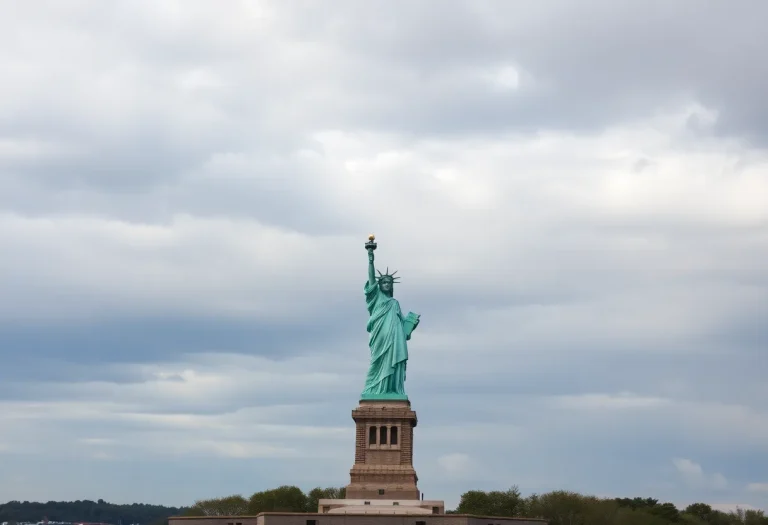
x=387, y=276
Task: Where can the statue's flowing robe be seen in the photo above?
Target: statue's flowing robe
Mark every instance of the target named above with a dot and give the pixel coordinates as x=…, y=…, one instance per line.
x=389, y=350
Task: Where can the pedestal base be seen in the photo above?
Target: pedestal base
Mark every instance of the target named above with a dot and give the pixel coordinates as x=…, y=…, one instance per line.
x=392, y=506
x=383, y=468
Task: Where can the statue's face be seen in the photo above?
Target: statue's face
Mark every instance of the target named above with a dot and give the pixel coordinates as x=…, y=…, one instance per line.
x=385, y=285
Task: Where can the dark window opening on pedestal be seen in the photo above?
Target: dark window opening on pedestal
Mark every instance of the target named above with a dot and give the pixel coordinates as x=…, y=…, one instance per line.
x=381, y=492
x=435, y=510
x=311, y=522
x=393, y=436
x=382, y=435
x=372, y=436
x=367, y=503
x=396, y=503
x=421, y=523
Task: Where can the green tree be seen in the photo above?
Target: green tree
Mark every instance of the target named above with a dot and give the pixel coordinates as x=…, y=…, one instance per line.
x=561, y=507
x=318, y=493
x=600, y=512
x=701, y=511
x=748, y=517
x=86, y=510
x=637, y=503
x=640, y=516
x=703, y=514
x=226, y=506
x=494, y=503
x=667, y=511
x=282, y=499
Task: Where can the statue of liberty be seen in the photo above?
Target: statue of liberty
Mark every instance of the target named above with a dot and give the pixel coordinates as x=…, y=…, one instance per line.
x=389, y=332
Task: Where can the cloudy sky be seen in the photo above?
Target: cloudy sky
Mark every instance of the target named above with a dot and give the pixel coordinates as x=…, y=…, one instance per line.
x=575, y=195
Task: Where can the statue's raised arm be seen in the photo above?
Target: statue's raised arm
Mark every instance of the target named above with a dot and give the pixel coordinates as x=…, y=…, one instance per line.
x=370, y=246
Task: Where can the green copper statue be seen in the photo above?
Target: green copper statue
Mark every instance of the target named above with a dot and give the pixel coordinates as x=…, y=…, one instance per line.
x=389, y=332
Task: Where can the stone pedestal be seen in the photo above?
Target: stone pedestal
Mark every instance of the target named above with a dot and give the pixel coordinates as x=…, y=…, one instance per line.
x=383, y=468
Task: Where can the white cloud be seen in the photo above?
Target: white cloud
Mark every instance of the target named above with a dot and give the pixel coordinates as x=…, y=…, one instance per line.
x=694, y=475
x=97, y=441
x=622, y=401
x=507, y=78
x=688, y=467
x=575, y=198
x=456, y=464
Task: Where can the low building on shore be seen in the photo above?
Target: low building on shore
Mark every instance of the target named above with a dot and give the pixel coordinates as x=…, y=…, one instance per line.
x=399, y=516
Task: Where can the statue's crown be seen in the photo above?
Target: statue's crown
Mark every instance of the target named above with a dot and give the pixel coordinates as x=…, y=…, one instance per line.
x=387, y=276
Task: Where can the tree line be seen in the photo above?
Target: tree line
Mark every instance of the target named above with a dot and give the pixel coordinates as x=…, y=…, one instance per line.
x=571, y=508
x=90, y=511
x=282, y=499
x=557, y=507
